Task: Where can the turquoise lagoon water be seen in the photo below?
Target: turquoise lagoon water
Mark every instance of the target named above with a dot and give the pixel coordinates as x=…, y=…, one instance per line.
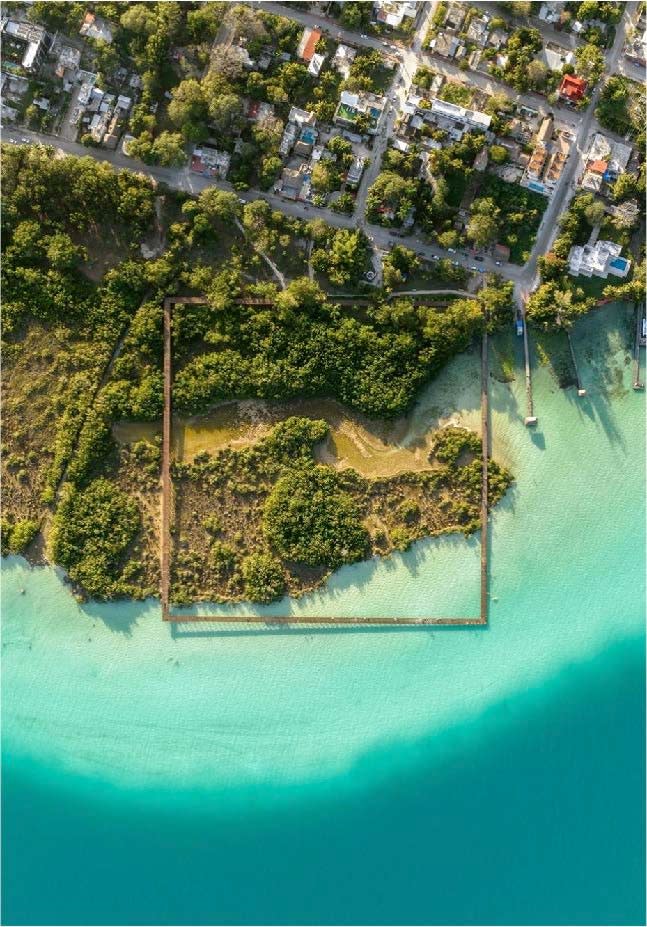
x=263, y=775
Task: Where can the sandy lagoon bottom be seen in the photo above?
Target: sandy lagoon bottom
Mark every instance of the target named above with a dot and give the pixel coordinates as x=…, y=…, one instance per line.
x=267, y=776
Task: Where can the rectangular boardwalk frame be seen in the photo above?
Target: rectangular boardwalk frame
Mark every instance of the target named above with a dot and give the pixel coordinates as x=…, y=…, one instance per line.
x=167, y=504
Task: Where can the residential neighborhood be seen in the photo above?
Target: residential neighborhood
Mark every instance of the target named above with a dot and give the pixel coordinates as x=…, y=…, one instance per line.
x=459, y=125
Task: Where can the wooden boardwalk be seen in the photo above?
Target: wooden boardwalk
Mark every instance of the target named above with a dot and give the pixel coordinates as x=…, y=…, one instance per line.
x=167, y=504
x=638, y=341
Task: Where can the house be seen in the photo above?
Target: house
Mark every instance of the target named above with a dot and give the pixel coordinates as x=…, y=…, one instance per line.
x=456, y=119
x=555, y=56
x=88, y=81
x=308, y=43
x=355, y=171
x=635, y=49
x=598, y=260
x=352, y=106
x=343, y=59
x=497, y=38
x=210, y=161
x=32, y=42
x=295, y=183
x=478, y=29
x=96, y=27
x=572, y=88
x=298, y=121
x=257, y=111
x=455, y=16
x=537, y=161
x=556, y=164
x=550, y=12
x=68, y=62
x=391, y=12
x=445, y=44
x=604, y=162
x=315, y=64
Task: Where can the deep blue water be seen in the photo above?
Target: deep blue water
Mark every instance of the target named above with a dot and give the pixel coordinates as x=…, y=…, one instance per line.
x=542, y=823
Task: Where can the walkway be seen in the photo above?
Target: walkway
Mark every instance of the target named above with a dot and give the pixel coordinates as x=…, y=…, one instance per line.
x=166, y=503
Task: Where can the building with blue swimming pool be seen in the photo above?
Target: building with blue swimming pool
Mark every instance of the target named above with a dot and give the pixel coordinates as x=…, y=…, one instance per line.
x=598, y=260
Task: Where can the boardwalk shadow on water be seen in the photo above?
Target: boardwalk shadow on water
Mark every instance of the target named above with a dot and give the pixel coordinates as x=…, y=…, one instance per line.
x=274, y=619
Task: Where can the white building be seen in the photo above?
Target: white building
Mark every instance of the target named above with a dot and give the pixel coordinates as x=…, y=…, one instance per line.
x=391, y=12
x=343, y=59
x=456, y=119
x=598, y=260
x=315, y=64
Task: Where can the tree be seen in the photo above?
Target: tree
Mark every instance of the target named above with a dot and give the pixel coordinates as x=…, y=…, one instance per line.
x=168, y=149
x=483, y=226
x=227, y=61
x=90, y=534
x=62, y=253
x=310, y=519
x=188, y=109
x=139, y=19
x=625, y=188
x=263, y=578
x=219, y=204
x=499, y=154
x=595, y=213
x=325, y=177
x=554, y=305
x=537, y=73
x=225, y=113
x=448, y=239
x=590, y=62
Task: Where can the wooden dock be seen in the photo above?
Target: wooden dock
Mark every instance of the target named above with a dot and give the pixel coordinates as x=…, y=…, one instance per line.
x=297, y=620
x=580, y=389
x=531, y=418
x=638, y=342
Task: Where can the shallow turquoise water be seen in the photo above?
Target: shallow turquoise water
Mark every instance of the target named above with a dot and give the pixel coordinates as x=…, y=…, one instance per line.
x=445, y=776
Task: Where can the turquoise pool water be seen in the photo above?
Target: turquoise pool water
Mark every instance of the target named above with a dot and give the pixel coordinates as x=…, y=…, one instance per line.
x=361, y=776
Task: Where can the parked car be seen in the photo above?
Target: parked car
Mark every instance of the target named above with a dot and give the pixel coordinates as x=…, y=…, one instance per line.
x=477, y=257
x=451, y=250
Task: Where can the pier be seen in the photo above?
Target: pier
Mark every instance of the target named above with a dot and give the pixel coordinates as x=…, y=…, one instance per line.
x=531, y=418
x=349, y=620
x=639, y=341
x=580, y=389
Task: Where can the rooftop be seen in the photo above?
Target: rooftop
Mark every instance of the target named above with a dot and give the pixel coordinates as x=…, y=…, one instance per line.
x=572, y=87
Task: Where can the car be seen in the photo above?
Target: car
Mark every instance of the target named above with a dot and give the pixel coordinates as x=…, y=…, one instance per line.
x=434, y=257
x=477, y=257
x=456, y=263
x=24, y=139
x=385, y=43
x=451, y=250
x=241, y=200
x=498, y=263
x=363, y=35
x=473, y=268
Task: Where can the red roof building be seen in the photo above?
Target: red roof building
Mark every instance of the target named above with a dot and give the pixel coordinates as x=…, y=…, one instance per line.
x=308, y=43
x=572, y=88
